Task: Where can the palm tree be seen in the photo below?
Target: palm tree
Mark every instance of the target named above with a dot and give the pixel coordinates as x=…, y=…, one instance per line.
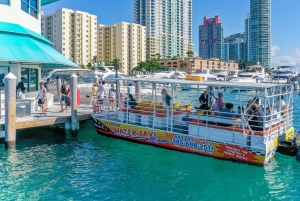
x=115, y=61
x=190, y=54
x=158, y=56
x=94, y=60
x=182, y=65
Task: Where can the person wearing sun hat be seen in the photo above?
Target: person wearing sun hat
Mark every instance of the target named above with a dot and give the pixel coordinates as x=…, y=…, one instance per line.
x=42, y=96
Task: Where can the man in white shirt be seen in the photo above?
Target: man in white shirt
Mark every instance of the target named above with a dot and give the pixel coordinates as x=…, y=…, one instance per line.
x=280, y=104
x=100, y=94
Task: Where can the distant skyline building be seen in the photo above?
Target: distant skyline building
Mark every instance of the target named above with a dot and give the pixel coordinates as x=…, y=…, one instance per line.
x=168, y=26
x=73, y=33
x=125, y=41
x=211, y=38
x=247, y=37
x=234, y=47
x=260, y=32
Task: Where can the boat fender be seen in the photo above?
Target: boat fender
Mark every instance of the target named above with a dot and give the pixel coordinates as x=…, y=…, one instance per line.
x=297, y=142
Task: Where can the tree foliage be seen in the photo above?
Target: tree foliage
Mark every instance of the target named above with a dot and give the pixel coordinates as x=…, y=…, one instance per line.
x=190, y=54
x=243, y=64
x=150, y=65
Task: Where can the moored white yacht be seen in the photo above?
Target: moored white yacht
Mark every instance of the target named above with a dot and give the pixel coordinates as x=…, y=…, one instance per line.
x=286, y=75
x=252, y=74
x=204, y=74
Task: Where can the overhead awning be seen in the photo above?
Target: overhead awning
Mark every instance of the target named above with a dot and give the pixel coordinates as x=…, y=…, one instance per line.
x=45, y=2
x=21, y=45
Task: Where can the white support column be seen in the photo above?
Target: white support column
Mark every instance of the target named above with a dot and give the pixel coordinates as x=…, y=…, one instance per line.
x=10, y=110
x=58, y=86
x=74, y=118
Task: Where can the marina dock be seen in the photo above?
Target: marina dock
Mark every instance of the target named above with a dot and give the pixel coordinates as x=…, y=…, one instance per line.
x=53, y=117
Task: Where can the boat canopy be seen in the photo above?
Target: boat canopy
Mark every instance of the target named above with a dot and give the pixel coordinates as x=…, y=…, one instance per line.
x=241, y=85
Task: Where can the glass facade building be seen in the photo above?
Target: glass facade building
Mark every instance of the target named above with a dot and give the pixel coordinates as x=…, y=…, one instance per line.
x=168, y=26
x=260, y=32
x=235, y=47
x=211, y=38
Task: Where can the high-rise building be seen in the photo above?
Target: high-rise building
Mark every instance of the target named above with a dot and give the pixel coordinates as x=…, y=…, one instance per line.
x=260, y=32
x=247, y=38
x=211, y=38
x=234, y=47
x=168, y=26
x=124, y=41
x=73, y=33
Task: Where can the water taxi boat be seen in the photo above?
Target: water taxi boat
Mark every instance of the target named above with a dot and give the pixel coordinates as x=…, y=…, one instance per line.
x=248, y=137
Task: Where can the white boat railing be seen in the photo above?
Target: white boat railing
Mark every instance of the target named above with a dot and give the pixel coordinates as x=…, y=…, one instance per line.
x=208, y=124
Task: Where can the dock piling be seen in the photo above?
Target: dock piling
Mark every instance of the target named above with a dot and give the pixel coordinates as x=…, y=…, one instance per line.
x=10, y=110
x=58, y=86
x=74, y=118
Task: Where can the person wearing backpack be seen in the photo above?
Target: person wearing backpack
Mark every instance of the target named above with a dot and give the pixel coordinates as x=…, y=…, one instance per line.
x=21, y=91
x=47, y=85
x=166, y=98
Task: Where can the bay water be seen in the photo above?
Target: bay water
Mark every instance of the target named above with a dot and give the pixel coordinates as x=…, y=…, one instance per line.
x=47, y=165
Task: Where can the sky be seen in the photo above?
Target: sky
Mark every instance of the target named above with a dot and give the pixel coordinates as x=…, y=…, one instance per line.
x=285, y=20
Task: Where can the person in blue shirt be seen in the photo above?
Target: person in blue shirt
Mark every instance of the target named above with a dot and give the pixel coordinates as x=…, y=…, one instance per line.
x=228, y=112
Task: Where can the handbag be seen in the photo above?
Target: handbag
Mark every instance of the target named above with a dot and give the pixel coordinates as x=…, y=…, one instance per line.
x=68, y=101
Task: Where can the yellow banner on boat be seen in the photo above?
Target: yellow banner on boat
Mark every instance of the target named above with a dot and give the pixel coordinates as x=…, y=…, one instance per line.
x=193, y=78
x=289, y=134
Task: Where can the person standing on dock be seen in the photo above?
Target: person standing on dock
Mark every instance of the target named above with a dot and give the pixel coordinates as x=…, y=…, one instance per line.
x=101, y=93
x=47, y=85
x=65, y=94
x=42, y=96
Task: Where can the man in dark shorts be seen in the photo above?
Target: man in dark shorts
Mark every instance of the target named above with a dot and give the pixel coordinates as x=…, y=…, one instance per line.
x=42, y=96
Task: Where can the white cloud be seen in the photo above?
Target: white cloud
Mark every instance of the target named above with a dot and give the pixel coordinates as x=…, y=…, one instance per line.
x=287, y=60
x=274, y=49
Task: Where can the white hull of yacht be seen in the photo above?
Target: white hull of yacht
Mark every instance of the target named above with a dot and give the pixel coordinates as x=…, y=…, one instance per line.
x=189, y=86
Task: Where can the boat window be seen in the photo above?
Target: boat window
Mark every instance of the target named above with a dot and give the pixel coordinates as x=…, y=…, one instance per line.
x=245, y=76
x=280, y=77
x=231, y=73
x=220, y=75
x=83, y=76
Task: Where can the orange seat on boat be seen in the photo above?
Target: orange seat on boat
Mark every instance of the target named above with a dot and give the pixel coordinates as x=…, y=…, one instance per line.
x=196, y=122
x=123, y=109
x=176, y=112
x=240, y=130
x=160, y=115
x=185, y=110
x=145, y=113
x=161, y=111
x=220, y=127
x=134, y=111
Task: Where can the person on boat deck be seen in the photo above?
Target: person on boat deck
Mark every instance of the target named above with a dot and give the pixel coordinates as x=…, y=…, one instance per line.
x=255, y=120
x=219, y=103
x=212, y=96
x=203, y=101
x=260, y=108
x=165, y=98
x=203, y=98
x=240, y=111
x=131, y=103
x=228, y=112
x=280, y=104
